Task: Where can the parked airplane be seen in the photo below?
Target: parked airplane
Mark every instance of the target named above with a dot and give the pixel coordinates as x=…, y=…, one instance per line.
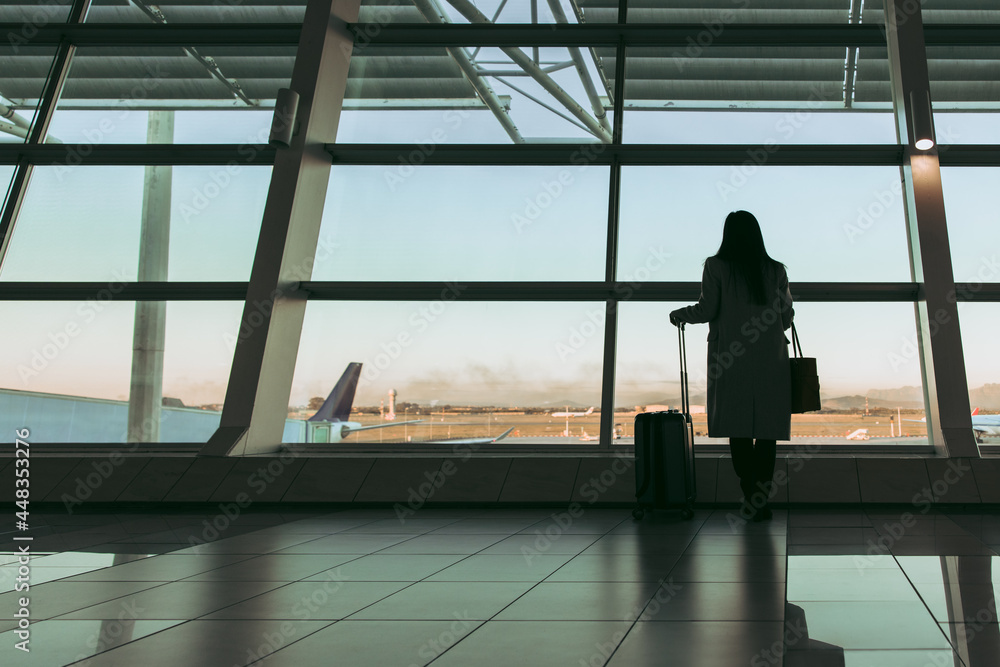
x=981, y=424
x=572, y=414
x=335, y=413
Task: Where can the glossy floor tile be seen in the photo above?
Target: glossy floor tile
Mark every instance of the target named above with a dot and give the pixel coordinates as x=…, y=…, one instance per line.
x=524, y=586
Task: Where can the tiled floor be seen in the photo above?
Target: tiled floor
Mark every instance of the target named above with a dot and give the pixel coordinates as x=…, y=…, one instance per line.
x=810, y=588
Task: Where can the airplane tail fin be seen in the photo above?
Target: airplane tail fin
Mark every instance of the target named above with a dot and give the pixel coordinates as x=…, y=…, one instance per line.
x=337, y=406
x=590, y=411
x=975, y=412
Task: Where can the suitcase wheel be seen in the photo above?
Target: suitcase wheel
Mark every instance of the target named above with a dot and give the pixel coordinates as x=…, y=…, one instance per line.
x=638, y=513
x=687, y=513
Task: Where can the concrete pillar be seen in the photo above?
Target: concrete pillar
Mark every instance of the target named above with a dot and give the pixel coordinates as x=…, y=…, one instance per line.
x=942, y=361
x=260, y=382
x=145, y=398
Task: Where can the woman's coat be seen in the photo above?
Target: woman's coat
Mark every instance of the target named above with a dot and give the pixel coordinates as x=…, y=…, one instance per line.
x=749, y=383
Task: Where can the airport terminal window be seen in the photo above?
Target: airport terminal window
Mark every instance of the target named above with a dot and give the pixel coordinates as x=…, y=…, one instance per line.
x=86, y=221
x=22, y=75
x=214, y=95
x=423, y=95
x=866, y=356
x=978, y=321
x=5, y=176
x=964, y=93
x=469, y=370
x=464, y=223
x=823, y=223
x=71, y=370
x=971, y=201
x=477, y=369
x=769, y=96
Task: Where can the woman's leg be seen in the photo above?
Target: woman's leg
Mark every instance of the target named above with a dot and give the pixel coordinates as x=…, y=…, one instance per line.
x=744, y=463
x=765, y=453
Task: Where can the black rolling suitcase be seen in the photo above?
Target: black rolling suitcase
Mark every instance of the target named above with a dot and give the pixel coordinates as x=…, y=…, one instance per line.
x=664, y=453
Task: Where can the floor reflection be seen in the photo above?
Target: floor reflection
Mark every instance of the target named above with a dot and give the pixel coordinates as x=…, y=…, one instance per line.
x=810, y=588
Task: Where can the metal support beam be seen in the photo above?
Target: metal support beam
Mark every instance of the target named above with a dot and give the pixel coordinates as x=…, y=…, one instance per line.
x=39, y=127
x=942, y=361
x=260, y=382
x=598, y=65
x=145, y=399
x=581, y=68
x=524, y=61
x=468, y=67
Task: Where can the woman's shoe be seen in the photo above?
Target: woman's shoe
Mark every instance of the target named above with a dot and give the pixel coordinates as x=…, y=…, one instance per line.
x=764, y=513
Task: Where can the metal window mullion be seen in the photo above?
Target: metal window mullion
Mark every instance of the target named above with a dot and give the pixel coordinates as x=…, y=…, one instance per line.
x=51, y=92
x=609, y=370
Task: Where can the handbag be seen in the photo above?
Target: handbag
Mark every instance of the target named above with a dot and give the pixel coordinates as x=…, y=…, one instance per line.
x=805, y=379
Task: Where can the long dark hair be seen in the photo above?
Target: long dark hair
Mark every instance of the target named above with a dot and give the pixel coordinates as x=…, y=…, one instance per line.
x=743, y=249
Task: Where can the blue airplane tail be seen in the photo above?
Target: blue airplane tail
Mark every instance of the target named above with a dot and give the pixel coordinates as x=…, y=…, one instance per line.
x=337, y=406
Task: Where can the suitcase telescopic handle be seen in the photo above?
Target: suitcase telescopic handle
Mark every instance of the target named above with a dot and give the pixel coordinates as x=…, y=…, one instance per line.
x=685, y=390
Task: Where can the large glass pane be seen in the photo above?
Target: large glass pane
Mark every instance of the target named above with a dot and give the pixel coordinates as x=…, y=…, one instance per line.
x=965, y=92
x=971, y=202
x=23, y=70
x=869, y=371
x=979, y=321
x=69, y=369
x=823, y=223
x=759, y=95
x=83, y=223
x=6, y=173
x=197, y=11
x=211, y=95
x=464, y=370
x=423, y=95
x=464, y=223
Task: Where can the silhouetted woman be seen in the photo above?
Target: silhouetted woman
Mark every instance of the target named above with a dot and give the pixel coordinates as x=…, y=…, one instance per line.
x=746, y=302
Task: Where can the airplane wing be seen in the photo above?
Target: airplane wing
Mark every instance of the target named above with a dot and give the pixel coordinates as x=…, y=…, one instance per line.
x=467, y=441
x=368, y=428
